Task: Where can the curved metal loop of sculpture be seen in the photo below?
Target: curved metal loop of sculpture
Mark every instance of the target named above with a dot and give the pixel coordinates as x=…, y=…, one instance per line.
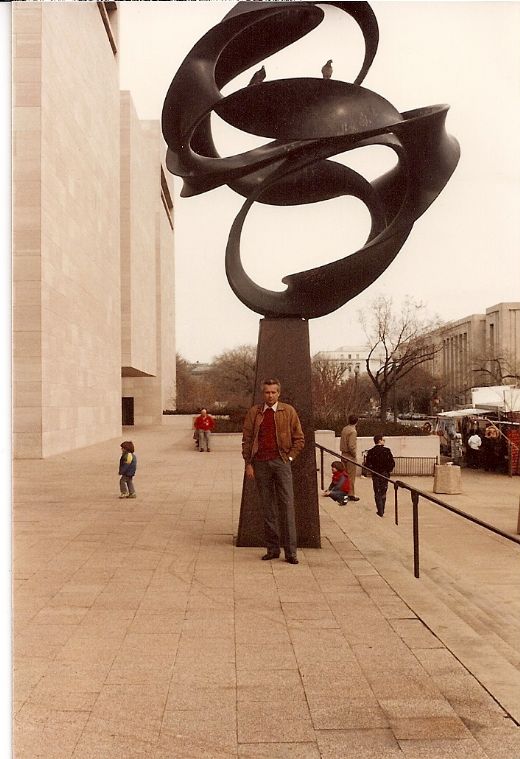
x=309, y=120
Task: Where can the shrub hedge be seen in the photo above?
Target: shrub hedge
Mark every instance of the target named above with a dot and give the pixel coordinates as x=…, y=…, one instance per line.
x=232, y=420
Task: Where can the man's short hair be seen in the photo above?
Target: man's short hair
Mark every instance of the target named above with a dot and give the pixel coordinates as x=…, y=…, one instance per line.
x=272, y=381
x=352, y=419
x=378, y=438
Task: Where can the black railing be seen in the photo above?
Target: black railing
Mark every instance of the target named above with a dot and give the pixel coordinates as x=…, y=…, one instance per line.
x=415, y=494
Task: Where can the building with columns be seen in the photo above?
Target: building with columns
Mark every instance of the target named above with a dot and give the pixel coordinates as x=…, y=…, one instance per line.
x=353, y=358
x=93, y=256
x=480, y=349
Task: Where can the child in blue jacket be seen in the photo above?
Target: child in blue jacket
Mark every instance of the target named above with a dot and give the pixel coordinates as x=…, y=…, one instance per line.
x=127, y=467
x=340, y=485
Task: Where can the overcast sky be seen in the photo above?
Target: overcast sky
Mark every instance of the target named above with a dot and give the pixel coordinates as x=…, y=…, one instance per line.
x=462, y=256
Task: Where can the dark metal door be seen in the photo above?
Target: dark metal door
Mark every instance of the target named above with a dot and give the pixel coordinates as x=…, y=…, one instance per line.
x=128, y=411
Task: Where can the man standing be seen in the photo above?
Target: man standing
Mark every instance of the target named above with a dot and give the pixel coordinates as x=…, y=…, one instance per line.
x=272, y=438
x=348, y=448
x=204, y=424
x=380, y=460
x=473, y=449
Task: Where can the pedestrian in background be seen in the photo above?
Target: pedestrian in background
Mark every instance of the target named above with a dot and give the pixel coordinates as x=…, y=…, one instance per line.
x=204, y=424
x=473, y=449
x=127, y=468
x=456, y=448
x=380, y=460
x=348, y=448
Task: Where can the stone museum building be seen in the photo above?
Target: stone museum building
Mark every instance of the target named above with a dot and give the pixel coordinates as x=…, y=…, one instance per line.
x=93, y=254
x=353, y=359
x=479, y=349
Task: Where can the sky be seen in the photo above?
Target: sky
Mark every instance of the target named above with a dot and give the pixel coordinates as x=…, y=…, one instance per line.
x=463, y=254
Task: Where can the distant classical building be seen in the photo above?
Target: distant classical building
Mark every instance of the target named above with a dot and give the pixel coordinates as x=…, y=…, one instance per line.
x=353, y=358
x=93, y=266
x=481, y=349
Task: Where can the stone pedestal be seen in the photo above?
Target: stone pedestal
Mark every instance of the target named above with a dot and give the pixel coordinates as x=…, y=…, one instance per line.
x=283, y=352
x=447, y=479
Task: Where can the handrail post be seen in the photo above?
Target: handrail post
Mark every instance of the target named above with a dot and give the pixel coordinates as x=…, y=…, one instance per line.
x=321, y=469
x=415, y=515
x=396, y=509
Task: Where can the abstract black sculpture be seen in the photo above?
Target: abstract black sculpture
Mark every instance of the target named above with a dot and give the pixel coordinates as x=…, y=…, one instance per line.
x=306, y=121
x=309, y=120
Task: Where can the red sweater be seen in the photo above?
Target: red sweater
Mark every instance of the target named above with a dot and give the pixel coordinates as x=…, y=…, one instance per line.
x=267, y=445
x=204, y=422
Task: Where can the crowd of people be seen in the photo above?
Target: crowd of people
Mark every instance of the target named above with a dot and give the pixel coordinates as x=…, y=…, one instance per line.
x=478, y=447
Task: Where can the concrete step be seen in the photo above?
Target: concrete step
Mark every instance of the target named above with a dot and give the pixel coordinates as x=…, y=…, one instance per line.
x=483, y=614
x=471, y=629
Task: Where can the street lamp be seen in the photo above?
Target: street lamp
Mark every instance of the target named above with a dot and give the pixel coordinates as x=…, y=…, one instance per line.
x=395, y=366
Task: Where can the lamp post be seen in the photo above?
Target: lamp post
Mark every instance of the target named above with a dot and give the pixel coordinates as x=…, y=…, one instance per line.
x=395, y=367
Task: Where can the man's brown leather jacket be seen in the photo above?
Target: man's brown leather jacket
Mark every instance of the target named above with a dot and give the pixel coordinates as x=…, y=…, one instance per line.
x=289, y=433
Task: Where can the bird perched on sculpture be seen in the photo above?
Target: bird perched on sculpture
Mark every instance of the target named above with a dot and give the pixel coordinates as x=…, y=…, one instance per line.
x=326, y=70
x=258, y=76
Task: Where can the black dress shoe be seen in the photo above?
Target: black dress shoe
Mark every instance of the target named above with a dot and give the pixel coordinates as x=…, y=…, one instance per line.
x=291, y=560
x=353, y=498
x=270, y=555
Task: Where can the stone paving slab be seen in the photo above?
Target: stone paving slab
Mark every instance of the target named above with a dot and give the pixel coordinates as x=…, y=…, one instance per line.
x=141, y=631
x=454, y=596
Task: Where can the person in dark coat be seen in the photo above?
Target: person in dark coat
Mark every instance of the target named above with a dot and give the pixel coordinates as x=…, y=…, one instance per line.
x=380, y=460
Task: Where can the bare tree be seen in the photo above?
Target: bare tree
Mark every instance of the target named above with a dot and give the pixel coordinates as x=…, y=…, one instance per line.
x=327, y=380
x=335, y=397
x=420, y=392
x=496, y=369
x=191, y=392
x=232, y=375
x=402, y=337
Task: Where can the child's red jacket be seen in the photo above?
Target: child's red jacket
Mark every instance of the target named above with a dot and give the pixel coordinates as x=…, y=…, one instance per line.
x=340, y=481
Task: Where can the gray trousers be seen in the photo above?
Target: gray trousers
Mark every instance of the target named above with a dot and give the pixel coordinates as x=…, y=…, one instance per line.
x=275, y=488
x=204, y=439
x=126, y=482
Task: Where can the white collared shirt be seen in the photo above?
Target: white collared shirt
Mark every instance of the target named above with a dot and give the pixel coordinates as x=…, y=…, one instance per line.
x=274, y=407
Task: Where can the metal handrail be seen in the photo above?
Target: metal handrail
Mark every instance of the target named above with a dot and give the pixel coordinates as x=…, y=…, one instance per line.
x=415, y=494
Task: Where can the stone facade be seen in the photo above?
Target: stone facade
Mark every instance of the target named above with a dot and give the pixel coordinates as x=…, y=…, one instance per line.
x=474, y=349
x=78, y=314
x=353, y=358
x=147, y=269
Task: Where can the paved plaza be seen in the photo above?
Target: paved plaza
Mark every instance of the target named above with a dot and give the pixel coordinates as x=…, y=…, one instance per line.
x=141, y=632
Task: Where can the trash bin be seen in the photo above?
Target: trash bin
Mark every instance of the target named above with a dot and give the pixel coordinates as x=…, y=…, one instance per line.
x=446, y=479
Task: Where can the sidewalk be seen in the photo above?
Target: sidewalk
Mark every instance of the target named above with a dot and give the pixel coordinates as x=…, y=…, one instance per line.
x=141, y=631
